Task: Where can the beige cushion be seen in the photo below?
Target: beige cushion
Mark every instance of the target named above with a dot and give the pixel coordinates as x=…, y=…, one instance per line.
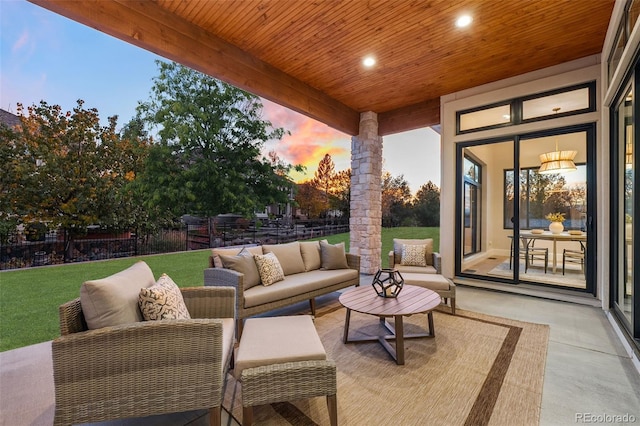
x=114, y=300
x=269, y=268
x=398, y=243
x=216, y=252
x=162, y=301
x=244, y=263
x=433, y=282
x=310, y=251
x=288, y=255
x=413, y=255
x=333, y=256
x=276, y=340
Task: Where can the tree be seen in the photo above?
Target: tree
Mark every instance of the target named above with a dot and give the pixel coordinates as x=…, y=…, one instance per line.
x=341, y=192
x=66, y=168
x=309, y=199
x=208, y=158
x=426, y=205
x=323, y=179
x=395, y=196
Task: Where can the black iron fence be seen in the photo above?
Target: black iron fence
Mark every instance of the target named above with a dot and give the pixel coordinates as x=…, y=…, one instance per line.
x=57, y=247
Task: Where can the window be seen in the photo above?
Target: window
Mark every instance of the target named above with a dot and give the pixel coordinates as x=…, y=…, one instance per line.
x=541, y=194
x=472, y=179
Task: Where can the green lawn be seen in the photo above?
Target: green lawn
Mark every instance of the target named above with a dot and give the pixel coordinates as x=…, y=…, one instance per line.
x=29, y=298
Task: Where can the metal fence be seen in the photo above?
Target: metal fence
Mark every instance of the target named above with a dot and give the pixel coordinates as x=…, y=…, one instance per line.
x=58, y=248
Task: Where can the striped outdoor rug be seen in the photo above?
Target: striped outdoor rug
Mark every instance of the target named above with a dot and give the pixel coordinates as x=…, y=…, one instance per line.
x=478, y=370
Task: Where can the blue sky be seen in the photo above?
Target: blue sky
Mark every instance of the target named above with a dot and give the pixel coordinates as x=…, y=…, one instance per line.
x=44, y=56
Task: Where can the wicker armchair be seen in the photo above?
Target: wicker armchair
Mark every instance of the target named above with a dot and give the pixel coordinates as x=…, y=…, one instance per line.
x=145, y=368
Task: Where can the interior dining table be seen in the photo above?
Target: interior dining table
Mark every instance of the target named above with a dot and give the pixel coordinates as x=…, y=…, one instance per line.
x=527, y=235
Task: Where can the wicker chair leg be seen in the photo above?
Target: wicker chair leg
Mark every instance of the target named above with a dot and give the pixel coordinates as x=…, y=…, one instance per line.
x=215, y=416
x=247, y=416
x=312, y=306
x=332, y=405
x=453, y=306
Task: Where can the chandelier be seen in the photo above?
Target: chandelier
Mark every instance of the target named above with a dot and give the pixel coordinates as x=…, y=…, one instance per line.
x=557, y=161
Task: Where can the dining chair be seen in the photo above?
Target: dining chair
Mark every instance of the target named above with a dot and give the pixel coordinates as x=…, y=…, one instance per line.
x=574, y=256
x=529, y=253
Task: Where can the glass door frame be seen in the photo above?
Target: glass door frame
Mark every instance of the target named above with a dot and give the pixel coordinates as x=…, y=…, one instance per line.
x=591, y=202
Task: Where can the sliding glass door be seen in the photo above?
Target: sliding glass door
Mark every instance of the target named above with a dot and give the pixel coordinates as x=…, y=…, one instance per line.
x=507, y=206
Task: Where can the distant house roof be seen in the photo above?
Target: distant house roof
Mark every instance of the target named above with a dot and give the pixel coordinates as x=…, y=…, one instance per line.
x=9, y=119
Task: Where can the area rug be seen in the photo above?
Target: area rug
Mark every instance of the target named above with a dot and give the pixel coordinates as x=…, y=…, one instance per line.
x=573, y=276
x=478, y=370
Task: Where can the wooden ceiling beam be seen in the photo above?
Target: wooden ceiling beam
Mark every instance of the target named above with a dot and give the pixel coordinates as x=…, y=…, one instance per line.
x=146, y=25
x=416, y=116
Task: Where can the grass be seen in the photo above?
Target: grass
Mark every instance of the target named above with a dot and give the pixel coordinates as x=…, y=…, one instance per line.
x=29, y=298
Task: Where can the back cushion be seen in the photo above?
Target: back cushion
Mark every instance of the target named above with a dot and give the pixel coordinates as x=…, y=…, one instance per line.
x=114, y=300
x=288, y=255
x=244, y=263
x=216, y=252
x=310, y=251
x=397, y=249
x=333, y=256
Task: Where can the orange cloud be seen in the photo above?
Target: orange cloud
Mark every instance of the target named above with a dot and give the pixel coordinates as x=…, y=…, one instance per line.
x=309, y=141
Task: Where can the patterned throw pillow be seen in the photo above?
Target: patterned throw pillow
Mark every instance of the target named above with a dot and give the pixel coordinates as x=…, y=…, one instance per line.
x=269, y=268
x=413, y=255
x=162, y=301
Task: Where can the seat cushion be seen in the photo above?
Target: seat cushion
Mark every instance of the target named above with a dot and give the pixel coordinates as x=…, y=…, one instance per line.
x=114, y=300
x=288, y=255
x=433, y=282
x=276, y=340
x=399, y=242
x=415, y=269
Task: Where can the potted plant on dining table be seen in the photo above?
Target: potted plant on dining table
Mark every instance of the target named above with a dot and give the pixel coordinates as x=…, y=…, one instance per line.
x=556, y=220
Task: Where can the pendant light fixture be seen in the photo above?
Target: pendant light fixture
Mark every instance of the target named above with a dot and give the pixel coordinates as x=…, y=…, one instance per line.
x=557, y=161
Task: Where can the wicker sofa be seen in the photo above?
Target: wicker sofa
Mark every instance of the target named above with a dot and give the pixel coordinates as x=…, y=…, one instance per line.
x=310, y=268
x=143, y=368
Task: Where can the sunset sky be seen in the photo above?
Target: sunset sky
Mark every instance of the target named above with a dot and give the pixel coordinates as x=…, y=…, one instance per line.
x=44, y=56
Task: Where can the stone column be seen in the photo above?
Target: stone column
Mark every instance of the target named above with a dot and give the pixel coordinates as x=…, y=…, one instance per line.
x=365, y=224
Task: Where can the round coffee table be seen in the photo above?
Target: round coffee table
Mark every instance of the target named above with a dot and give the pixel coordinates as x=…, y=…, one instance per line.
x=412, y=300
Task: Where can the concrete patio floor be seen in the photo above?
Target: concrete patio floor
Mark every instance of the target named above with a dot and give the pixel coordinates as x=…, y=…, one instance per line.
x=587, y=373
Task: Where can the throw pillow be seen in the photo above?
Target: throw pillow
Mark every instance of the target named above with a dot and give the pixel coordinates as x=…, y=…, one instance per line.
x=333, y=256
x=310, y=251
x=162, y=301
x=399, y=242
x=243, y=262
x=114, y=300
x=288, y=255
x=269, y=268
x=216, y=252
x=413, y=255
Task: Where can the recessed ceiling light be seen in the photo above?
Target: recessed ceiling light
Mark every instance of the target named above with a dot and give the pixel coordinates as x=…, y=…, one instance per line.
x=464, y=21
x=369, y=61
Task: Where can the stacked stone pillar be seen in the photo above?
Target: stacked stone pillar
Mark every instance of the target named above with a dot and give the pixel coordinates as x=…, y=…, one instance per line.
x=366, y=194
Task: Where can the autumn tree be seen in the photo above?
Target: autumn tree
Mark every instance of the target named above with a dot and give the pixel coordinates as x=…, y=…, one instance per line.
x=323, y=180
x=207, y=159
x=66, y=169
x=341, y=192
x=426, y=205
x=309, y=199
x=396, y=194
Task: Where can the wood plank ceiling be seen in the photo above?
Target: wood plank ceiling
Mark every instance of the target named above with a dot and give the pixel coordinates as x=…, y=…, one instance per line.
x=307, y=55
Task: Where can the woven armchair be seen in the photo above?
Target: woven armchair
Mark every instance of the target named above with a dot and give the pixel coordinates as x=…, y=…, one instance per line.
x=145, y=368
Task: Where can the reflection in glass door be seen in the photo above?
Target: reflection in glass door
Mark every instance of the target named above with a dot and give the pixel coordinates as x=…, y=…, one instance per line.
x=483, y=244
x=471, y=235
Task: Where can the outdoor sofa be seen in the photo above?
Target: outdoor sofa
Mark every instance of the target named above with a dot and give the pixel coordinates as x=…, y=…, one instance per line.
x=309, y=269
